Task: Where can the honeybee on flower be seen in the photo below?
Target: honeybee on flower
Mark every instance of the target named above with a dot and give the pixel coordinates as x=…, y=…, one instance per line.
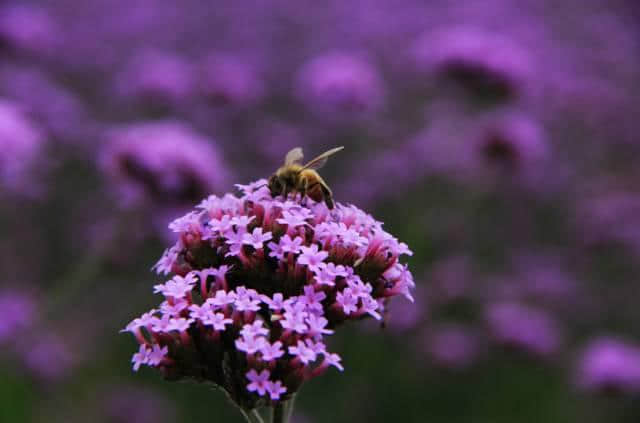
x=303, y=179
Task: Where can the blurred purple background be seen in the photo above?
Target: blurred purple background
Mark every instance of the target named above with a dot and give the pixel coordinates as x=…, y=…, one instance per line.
x=497, y=138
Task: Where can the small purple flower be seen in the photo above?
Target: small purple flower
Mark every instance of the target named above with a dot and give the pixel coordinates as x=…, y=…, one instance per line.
x=289, y=245
x=311, y=256
x=223, y=298
x=323, y=276
x=254, y=329
x=292, y=220
x=275, y=389
x=217, y=320
x=140, y=358
x=333, y=360
x=303, y=352
x=317, y=325
x=258, y=381
x=241, y=222
x=275, y=304
x=294, y=320
x=275, y=250
x=175, y=308
x=371, y=306
x=179, y=324
x=235, y=240
x=156, y=355
x=271, y=351
x=250, y=344
x=222, y=226
x=347, y=301
x=312, y=299
x=166, y=262
x=177, y=287
x=336, y=270
x=246, y=302
x=256, y=238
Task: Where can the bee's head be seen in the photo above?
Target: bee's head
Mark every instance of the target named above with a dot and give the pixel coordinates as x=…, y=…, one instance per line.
x=275, y=186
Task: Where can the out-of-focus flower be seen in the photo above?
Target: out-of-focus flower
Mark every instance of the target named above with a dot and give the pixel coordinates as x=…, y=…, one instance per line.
x=47, y=357
x=130, y=404
x=26, y=28
x=155, y=79
x=165, y=162
x=523, y=328
x=609, y=365
x=22, y=144
x=339, y=84
x=258, y=292
x=59, y=111
x=610, y=218
x=452, y=346
x=225, y=80
x=17, y=313
x=486, y=63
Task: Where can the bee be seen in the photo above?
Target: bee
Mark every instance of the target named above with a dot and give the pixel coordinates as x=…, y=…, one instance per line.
x=295, y=177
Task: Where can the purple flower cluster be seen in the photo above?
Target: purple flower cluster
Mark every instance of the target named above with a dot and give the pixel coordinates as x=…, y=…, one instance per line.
x=162, y=162
x=22, y=144
x=259, y=283
x=610, y=364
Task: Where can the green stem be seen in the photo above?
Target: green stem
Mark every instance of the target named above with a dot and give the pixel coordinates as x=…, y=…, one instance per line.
x=278, y=415
x=252, y=416
x=282, y=411
x=289, y=407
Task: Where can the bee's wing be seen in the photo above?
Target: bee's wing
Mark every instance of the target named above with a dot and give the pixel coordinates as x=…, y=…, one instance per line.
x=294, y=156
x=320, y=161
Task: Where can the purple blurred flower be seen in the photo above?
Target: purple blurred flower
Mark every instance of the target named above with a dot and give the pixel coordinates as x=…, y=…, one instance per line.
x=523, y=328
x=156, y=79
x=609, y=364
x=452, y=346
x=338, y=84
x=487, y=63
x=126, y=404
x=226, y=80
x=22, y=145
x=17, y=313
x=47, y=357
x=27, y=28
x=166, y=162
x=59, y=111
x=277, y=312
x=610, y=217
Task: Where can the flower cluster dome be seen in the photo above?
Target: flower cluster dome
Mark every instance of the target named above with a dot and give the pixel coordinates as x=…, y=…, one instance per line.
x=259, y=284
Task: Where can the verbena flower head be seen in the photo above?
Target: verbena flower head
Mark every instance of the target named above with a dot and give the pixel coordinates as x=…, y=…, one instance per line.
x=609, y=365
x=340, y=83
x=229, y=81
x=22, y=144
x=256, y=292
x=164, y=162
x=155, y=78
x=484, y=62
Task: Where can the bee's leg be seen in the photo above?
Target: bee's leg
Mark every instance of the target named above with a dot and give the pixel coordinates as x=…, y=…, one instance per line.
x=303, y=191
